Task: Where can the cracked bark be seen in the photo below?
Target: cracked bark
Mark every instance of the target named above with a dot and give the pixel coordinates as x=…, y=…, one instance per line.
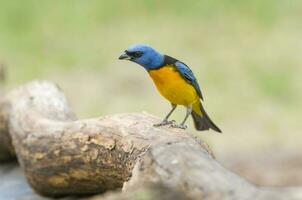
x=62, y=155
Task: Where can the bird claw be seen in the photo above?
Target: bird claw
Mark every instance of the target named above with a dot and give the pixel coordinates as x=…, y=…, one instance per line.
x=181, y=126
x=165, y=122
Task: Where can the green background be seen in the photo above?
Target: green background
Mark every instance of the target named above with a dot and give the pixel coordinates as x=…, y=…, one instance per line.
x=247, y=56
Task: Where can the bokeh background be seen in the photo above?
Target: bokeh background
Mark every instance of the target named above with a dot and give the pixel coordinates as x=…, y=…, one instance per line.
x=247, y=56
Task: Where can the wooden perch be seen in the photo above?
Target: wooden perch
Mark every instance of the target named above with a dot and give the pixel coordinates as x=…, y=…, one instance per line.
x=61, y=155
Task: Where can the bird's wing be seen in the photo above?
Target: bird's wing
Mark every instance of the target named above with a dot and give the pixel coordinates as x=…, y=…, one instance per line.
x=188, y=75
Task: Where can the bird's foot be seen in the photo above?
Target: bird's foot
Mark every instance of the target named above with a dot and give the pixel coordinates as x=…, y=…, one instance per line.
x=181, y=126
x=165, y=122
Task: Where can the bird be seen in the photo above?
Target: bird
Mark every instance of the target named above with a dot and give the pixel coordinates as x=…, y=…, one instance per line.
x=175, y=81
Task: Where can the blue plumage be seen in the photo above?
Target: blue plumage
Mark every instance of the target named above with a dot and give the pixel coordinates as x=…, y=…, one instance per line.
x=188, y=75
x=149, y=58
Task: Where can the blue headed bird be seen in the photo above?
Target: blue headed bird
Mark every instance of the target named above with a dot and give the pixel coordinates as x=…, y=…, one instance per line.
x=175, y=81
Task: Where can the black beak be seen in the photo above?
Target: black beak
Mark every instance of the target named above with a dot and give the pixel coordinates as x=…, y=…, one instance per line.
x=124, y=56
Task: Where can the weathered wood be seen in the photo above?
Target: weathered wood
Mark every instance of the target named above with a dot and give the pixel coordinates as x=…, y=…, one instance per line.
x=61, y=155
x=192, y=171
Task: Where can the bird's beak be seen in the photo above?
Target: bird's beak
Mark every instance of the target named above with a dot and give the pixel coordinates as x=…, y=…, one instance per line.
x=124, y=56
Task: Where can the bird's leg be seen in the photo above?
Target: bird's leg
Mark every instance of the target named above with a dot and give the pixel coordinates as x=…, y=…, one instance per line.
x=165, y=120
x=182, y=125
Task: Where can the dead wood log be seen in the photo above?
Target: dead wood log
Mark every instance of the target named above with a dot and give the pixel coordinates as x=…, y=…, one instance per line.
x=61, y=155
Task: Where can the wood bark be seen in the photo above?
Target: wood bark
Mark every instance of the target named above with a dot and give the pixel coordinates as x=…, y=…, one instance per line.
x=62, y=155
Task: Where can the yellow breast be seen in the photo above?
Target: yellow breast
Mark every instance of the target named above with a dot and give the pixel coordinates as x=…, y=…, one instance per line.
x=173, y=87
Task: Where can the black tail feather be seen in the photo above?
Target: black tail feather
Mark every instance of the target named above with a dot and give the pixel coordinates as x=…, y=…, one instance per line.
x=204, y=122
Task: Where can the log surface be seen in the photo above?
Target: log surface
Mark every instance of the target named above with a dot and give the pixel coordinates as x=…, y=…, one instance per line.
x=61, y=155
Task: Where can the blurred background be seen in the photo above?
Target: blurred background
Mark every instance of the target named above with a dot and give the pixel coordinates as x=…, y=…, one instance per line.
x=247, y=56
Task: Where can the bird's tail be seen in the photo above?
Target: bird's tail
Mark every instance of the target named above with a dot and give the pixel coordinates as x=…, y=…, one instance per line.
x=201, y=119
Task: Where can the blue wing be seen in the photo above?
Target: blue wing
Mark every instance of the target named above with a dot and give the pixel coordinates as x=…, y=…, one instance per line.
x=188, y=75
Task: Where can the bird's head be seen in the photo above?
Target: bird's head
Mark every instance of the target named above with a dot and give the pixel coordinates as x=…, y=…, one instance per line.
x=143, y=55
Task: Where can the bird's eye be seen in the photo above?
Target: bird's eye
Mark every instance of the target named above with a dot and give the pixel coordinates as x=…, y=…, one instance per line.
x=134, y=54
x=137, y=54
